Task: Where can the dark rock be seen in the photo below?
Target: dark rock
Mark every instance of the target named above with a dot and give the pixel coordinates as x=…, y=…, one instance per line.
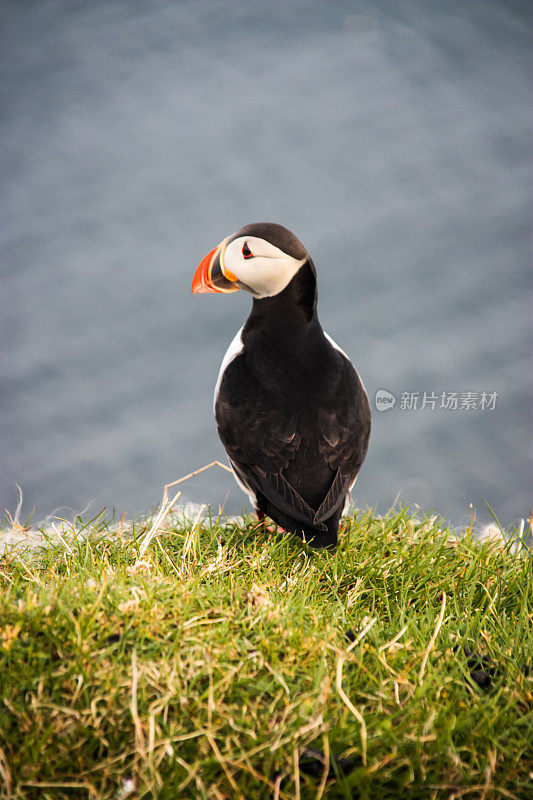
x=347, y=765
x=484, y=664
x=481, y=677
x=477, y=662
x=482, y=668
x=312, y=763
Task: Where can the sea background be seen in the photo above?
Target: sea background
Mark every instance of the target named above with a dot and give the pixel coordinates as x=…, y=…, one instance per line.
x=393, y=138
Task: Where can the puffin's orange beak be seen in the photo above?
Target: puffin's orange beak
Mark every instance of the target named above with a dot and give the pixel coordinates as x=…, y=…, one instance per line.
x=211, y=276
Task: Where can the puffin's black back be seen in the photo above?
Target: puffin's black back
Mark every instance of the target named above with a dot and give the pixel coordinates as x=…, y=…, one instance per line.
x=292, y=413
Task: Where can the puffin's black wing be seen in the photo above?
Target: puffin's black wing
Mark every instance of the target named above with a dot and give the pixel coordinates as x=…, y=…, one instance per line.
x=344, y=433
x=260, y=438
x=272, y=449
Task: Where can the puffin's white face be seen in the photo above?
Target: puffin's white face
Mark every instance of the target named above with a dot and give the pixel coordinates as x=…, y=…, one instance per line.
x=248, y=262
x=258, y=266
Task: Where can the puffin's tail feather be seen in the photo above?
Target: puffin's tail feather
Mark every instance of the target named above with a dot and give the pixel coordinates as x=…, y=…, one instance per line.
x=316, y=537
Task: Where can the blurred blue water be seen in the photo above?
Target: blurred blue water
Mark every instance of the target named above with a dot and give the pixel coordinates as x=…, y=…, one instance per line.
x=391, y=137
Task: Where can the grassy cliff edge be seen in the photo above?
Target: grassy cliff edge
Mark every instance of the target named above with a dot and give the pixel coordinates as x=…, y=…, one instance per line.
x=227, y=662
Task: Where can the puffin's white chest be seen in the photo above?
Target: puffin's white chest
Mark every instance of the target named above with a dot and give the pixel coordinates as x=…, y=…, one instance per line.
x=232, y=352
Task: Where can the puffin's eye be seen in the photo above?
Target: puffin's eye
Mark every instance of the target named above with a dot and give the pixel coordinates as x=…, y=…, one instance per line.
x=246, y=252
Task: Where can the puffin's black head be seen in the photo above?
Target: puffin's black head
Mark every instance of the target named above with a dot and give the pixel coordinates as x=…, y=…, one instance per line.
x=262, y=258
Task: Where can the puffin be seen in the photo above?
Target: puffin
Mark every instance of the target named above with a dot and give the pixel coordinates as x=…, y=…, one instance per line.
x=291, y=411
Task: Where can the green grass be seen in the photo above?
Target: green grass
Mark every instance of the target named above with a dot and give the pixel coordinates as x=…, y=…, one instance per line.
x=204, y=669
